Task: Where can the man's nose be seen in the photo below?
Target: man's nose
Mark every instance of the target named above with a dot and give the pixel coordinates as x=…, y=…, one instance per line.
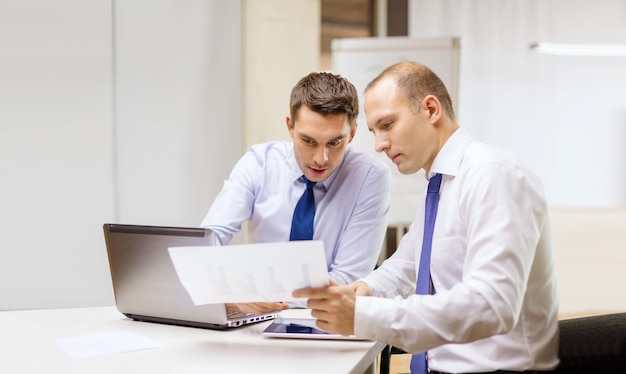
x=321, y=155
x=381, y=143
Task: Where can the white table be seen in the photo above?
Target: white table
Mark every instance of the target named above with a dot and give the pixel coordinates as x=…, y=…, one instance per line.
x=28, y=345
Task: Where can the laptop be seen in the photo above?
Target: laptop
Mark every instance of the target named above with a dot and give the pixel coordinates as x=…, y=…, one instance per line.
x=145, y=283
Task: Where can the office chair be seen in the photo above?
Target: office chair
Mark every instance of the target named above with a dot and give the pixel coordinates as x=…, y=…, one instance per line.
x=594, y=344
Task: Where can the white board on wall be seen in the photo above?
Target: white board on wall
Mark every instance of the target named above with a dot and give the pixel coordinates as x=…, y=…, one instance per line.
x=360, y=60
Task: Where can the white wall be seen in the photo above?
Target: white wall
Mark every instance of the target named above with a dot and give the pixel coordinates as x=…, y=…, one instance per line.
x=110, y=111
x=178, y=88
x=590, y=259
x=55, y=152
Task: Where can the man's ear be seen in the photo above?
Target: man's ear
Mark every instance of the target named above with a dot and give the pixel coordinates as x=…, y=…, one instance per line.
x=352, y=132
x=433, y=105
x=290, y=124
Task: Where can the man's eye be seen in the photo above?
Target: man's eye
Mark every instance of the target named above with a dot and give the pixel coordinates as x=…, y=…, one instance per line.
x=387, y=125
x=334, y=143
x=308, y=141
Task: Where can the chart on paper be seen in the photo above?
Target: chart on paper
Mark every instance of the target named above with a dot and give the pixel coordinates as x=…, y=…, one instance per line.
x=249, y=272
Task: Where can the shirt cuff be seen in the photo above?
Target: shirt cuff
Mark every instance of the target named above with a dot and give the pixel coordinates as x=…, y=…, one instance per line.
x=372, y=318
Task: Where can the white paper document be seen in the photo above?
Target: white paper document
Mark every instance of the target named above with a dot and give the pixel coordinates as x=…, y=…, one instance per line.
x=106, y=343
x=250, y=272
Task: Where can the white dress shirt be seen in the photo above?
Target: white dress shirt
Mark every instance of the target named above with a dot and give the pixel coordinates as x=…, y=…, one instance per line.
x=496, y=304
x=351, y=206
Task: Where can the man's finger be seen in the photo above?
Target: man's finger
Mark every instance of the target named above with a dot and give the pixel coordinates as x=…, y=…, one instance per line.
x=316, y=293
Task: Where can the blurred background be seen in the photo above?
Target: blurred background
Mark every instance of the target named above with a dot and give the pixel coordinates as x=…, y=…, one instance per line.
x=135, y=111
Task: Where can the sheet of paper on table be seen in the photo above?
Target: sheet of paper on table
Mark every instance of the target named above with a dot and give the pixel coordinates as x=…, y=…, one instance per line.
x=106, y=343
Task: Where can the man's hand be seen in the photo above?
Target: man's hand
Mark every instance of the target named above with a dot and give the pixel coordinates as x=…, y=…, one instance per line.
x=333, y=306
x=361, y=288
x=259, y=308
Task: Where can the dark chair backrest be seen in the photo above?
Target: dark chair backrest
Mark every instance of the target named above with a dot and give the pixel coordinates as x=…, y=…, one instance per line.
x=595, y=344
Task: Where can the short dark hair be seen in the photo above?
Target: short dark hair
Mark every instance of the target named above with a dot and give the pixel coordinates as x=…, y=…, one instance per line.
x=325, y=93
x=416, y=81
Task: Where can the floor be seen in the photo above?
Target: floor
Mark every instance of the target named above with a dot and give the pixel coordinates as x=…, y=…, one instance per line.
x=400, y=364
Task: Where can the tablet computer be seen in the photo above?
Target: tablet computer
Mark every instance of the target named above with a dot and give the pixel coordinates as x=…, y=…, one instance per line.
x=301, y=328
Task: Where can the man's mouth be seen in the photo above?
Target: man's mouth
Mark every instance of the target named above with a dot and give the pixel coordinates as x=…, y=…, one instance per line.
x=317, y=171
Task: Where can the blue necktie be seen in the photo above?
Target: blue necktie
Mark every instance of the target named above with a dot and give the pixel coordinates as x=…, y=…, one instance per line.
x=418, y=361
x=303, y=215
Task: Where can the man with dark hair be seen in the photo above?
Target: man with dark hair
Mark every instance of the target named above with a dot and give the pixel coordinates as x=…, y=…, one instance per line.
x=350, y=190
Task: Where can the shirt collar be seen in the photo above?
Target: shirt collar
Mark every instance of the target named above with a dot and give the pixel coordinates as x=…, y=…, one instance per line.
x=449, y=158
